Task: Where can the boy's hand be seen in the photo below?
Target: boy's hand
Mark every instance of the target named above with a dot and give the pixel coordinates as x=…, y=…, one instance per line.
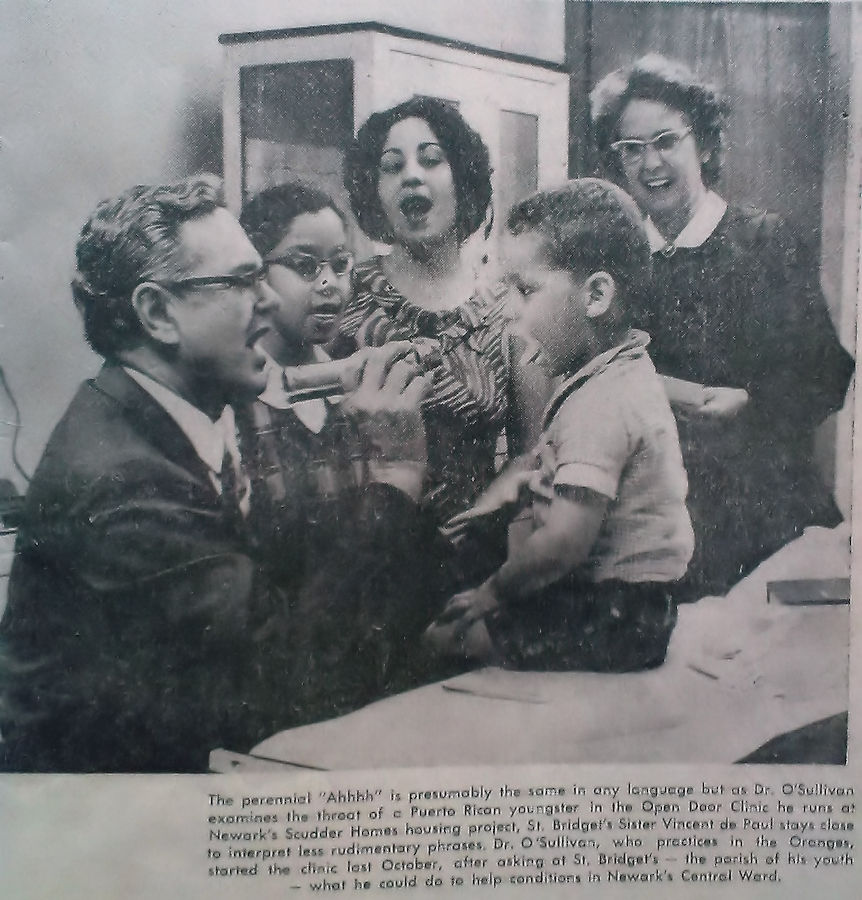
x=503, y=491
x=473, y=643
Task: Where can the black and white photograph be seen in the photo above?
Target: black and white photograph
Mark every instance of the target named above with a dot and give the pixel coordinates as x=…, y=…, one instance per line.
x=401, y=386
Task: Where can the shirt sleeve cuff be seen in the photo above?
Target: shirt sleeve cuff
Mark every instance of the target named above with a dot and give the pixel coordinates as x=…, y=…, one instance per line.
x=587, y=476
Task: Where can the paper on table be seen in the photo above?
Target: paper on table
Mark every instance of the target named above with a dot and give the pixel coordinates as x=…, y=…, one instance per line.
x=685, y=394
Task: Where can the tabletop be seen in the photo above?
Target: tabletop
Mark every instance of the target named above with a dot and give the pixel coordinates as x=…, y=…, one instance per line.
x=740, y=670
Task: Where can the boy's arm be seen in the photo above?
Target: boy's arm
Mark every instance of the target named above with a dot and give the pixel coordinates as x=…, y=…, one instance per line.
x=561, y=544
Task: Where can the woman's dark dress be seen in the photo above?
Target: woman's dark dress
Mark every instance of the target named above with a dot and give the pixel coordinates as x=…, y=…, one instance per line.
x=745, y=310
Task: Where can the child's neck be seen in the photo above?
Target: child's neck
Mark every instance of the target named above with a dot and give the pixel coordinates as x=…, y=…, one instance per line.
x=286, y=352
x=600, y=341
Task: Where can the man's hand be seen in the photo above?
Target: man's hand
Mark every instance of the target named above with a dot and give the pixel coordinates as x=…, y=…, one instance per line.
x=338, y=375
x=386, y=407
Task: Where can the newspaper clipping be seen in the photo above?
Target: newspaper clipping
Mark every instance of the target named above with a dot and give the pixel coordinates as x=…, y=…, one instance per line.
x=426, y=448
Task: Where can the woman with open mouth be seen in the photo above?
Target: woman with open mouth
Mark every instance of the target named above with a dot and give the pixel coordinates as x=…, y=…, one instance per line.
x=739, y=327
x=419, y=179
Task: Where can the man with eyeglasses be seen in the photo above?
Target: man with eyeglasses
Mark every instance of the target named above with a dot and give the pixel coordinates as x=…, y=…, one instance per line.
x=142, y=630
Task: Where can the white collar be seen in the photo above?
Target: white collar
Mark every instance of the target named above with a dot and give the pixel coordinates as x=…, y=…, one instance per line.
x=312, y=413
x=208, y=438
x=700, y=226
x=633, y=347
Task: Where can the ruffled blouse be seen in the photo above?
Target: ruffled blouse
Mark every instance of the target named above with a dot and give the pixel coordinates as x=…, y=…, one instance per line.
x=467, y=405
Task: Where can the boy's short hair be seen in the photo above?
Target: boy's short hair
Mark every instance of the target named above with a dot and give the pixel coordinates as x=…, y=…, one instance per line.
x=267, y=216
x=589, y=225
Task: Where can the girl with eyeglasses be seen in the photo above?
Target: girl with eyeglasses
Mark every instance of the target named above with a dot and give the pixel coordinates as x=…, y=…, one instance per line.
x=351, y=642
x=419, y=179
x=739, y=327
x=303, y=453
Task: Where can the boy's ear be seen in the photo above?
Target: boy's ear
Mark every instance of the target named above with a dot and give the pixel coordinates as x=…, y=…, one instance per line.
x=600, y=289
x=153, y=306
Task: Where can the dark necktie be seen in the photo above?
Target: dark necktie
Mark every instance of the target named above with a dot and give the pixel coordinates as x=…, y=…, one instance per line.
x=231, y=490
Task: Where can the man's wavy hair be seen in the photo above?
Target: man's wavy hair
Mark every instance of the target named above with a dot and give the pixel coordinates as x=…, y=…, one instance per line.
x=654, y=77
x=267, y=216
x=130, y=239
x=465, y=152
x=589, y=225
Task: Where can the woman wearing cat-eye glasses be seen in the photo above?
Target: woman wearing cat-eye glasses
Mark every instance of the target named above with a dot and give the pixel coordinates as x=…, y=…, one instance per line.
x=739, y=326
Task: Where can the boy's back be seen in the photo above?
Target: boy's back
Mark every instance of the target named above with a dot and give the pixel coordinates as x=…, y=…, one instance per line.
x=609, y=428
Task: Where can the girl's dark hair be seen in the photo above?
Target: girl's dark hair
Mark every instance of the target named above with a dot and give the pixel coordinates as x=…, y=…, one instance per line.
x=267, y=217
x=589, y=225
x=654, y=77
x=465, y=152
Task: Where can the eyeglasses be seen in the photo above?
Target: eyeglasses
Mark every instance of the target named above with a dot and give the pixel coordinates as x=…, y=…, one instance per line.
x=243, y=281
x=309, y=267
x=632, y=150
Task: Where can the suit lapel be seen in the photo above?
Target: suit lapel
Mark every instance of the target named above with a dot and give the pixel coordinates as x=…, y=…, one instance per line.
x=151, y=420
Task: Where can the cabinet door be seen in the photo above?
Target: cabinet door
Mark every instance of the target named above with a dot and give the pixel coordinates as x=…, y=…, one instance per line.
x=296, y=119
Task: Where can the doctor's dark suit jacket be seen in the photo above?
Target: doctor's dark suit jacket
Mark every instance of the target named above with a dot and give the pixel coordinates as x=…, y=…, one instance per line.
x=139, y=631
x=143, y=629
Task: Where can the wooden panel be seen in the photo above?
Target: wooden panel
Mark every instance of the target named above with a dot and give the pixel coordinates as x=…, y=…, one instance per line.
x=578, y=24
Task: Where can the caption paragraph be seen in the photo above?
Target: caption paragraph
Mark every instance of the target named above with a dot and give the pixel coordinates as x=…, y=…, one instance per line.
x=485, y=834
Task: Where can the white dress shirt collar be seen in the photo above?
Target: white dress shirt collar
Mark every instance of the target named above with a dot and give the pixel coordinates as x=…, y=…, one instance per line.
x=207, y=437
x=312, y=413
x=701, y=225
